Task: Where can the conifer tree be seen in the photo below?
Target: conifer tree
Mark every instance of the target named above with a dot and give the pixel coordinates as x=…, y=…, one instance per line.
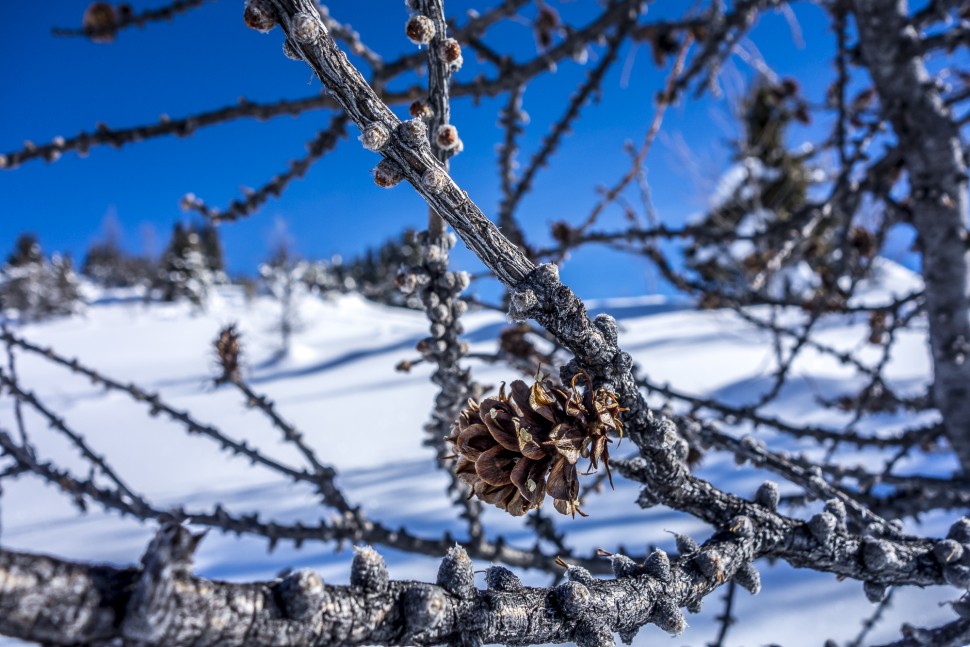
x=185, y=271
x=33, y=287
x=107, y=264
x=26, y=251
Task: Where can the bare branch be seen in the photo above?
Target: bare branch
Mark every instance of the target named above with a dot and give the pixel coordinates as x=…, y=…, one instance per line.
x=105, y=30
x=324, y=141
x=161, y=604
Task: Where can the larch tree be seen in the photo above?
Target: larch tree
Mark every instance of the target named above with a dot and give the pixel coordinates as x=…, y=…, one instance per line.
x=894, y=153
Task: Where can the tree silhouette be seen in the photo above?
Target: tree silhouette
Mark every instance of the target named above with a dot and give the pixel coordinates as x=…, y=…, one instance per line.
x=35, y=287
x=191, y=264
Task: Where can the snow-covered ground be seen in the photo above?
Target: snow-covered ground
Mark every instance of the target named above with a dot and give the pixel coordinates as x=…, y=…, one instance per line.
x=338, y=385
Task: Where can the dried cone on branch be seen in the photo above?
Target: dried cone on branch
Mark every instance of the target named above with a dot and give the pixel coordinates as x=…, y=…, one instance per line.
x=100, y=22
x=516, y=448
x=228, y=349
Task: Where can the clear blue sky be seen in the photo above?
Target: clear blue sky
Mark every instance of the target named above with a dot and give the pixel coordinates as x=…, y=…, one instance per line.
x=207, y=59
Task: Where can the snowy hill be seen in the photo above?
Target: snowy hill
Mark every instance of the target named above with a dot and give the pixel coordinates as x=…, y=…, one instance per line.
x=338, y=386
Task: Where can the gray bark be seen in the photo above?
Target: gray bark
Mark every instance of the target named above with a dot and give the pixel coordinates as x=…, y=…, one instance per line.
x=53, y=601
x=57, y=602
x=162, y=604
x=407, y=146
x=930, y=143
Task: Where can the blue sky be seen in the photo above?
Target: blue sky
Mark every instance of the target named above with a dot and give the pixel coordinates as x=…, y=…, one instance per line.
x=207, y=59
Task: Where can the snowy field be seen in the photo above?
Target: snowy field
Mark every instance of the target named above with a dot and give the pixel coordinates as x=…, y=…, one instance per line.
x=338, y=385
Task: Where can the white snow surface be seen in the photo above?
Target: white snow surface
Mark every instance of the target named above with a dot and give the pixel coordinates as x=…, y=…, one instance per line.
x=338, y=385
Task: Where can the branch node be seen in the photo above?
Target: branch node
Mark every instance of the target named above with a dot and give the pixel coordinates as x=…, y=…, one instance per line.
x=657, y=565
x=768, y=495
x=259, y=15
x=387, y=174
x=572, y=598
x=306, y=29
x=153, y=605
x=368, y=570
x=446, y=137
x=420, y=29
x=875, y=592
x=836, y=508
x=623, y=566
x=580, y=575
x=741, y=526
x=823, y=526
x=434, y=180
x=749, y=578
x=499, y=578
x=302, y=594
x=948, y=551
x=627, y=634
x=425, y=607
x=451, y=53
x=290, y=51
x=375, y=136
x=960, y=531
x=455, y=573
x=668, y=616
x=589, y=634
x=414, y=133
x=957, y=575
x=607, y=326
x=877, y=554
x=710, y=563
x=685, y=544
x=522, y=305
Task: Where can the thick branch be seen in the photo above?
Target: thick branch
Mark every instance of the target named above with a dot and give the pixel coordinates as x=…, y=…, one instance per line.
x=932, y=150
x=407, y=146
x=48, y=600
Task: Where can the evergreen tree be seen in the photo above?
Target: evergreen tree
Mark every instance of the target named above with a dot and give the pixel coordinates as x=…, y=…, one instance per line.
x=375, y=272
x=211, y=247
x=36, y=288
x=325, y=277
x=65, y=285
x=26, y=251
x=109, y=265
x=185, y=271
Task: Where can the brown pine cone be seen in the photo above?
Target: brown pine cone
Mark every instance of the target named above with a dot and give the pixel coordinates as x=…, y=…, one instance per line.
x=514, y=449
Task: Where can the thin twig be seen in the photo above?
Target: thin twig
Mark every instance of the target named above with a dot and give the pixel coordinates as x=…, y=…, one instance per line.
x=324, y=141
